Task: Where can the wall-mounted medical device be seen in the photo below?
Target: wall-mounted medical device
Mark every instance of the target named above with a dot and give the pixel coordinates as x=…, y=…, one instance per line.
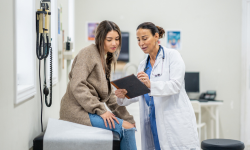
x=68, y=53
x=43, y=48
x=68, y=45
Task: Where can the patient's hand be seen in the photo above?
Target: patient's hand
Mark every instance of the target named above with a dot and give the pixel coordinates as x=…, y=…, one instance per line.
x=108, y=116
x=120, y=93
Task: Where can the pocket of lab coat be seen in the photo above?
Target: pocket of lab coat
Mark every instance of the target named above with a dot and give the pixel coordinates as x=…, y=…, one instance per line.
x=179, y=128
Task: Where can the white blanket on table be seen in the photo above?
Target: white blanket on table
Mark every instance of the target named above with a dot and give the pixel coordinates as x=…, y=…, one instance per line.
x=64, y=135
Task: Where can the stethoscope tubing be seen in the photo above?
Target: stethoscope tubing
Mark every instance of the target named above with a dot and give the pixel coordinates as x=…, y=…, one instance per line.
x=163, y=57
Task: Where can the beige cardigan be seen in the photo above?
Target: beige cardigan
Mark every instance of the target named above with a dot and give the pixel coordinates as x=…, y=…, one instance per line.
x=88, y=89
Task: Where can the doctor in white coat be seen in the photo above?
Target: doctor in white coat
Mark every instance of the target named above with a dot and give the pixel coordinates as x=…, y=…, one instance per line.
x=167, y=118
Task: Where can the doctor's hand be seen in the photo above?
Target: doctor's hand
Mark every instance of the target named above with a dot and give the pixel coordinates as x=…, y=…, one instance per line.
x=108, y=116
x=143, y=77
x=120, y=93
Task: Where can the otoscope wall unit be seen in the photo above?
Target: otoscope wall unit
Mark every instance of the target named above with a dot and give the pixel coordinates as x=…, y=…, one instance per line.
x=46, y=50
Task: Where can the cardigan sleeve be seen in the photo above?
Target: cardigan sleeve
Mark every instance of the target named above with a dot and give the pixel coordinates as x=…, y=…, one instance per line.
x=81, y=68
x=117, y=110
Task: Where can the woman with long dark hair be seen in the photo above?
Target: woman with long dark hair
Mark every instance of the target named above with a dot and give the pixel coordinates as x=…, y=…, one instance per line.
x=89, y=88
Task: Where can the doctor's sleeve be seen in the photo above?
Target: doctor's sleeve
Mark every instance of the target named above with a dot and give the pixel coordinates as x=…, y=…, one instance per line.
x=125, y=101
x=117, y=110
x=176, y=78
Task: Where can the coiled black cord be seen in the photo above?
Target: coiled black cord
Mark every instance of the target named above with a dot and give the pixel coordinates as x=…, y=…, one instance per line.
x=50, y=101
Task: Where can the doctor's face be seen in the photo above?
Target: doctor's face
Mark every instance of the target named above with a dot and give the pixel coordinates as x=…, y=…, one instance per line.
x=146, y=40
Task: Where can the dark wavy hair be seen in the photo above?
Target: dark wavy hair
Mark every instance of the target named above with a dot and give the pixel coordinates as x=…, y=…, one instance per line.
x=101, y=32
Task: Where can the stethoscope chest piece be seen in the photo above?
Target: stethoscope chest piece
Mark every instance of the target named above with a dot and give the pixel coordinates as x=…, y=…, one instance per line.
x=157, y=75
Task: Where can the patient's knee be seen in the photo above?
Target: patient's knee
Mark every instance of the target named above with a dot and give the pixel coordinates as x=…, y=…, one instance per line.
x=127, y=125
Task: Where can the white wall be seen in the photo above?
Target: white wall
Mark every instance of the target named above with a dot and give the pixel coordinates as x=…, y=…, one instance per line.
x=20, y=124
x=211, y=41
x=211, y=36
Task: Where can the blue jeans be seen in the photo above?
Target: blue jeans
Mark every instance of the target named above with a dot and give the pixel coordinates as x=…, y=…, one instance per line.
x=127, y=135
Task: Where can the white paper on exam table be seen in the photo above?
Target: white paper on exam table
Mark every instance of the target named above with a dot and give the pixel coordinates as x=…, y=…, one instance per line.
x=64, y=135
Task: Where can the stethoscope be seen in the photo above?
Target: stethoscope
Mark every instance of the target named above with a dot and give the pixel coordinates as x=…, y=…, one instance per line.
x=156, y=75
x=163, y=57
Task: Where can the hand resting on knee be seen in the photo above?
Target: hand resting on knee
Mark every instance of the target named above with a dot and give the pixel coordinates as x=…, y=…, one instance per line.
x=108, y=116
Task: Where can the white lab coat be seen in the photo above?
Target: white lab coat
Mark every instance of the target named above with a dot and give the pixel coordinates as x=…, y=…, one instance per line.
x=175, y=118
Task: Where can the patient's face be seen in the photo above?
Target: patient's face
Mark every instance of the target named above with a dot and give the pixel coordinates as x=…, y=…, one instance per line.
x=111, y=42
x=146, y=40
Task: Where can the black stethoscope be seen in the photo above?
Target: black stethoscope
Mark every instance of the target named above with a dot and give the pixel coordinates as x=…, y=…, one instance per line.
x=163, y=57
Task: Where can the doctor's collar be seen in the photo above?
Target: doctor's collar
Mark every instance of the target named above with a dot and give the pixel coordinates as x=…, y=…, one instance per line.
x=159, y=54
